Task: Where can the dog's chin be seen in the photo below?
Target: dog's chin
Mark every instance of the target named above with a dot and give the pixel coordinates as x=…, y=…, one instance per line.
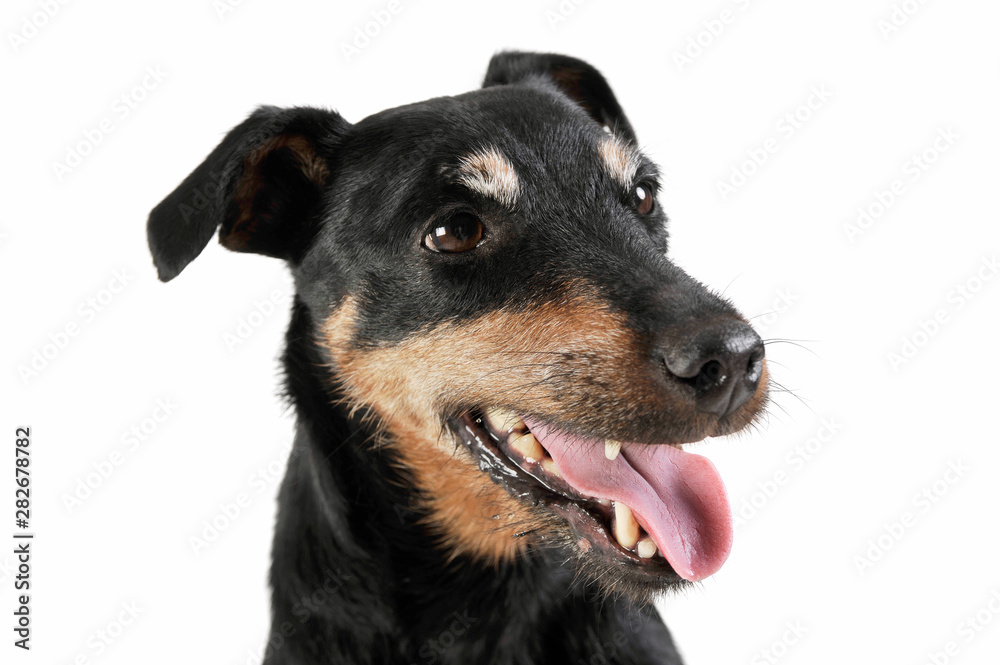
x=581, y=530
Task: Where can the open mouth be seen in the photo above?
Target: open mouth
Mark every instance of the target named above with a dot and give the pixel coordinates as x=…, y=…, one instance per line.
x=653, y=506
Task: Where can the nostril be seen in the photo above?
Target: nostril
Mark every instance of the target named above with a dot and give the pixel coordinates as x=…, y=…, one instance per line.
x=711, y=374
x=723, y=363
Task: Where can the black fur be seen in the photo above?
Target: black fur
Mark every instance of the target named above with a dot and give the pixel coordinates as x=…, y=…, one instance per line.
x=356, y=578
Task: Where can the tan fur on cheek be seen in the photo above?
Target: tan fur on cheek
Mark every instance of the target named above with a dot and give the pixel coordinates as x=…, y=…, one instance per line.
x=409, y=384
x=470, y=515
x=543, y=358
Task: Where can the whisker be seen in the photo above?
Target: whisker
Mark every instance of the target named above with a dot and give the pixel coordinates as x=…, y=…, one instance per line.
x=528, y=386
x=781, y=388
x=553, y=353
x=723, y=292
x=509, y=368
x=768, y=342
x=783, y=409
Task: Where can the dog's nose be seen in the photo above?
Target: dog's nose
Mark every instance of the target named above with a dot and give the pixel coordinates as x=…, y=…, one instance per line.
x=723, y=363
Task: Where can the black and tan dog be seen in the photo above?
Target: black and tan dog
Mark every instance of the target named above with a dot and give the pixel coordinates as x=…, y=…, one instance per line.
x=493, y=365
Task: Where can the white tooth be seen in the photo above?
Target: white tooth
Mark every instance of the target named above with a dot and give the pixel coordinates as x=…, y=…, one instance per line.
x=505, y=421
x=550, y=466
x=528, y=446
x=612, y=448
x=646, y=548
x=626, y=529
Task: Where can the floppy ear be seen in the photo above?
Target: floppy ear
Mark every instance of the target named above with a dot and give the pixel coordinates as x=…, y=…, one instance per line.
x=578, y=80
x=261, y=187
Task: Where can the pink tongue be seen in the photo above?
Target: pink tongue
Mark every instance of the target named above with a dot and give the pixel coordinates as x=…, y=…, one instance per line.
x=676, y=496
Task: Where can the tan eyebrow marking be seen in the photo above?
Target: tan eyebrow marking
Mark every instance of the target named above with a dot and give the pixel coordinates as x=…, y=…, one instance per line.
x=620, y=158
x=491, y=174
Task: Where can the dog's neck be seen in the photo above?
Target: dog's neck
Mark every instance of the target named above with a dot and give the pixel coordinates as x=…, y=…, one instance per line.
x=386, y=590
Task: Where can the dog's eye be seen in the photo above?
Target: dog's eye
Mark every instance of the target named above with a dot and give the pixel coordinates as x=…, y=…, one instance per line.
x=458, y=233
x=642, y=198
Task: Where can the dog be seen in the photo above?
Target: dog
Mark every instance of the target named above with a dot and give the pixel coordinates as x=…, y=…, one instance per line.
x=493, y=365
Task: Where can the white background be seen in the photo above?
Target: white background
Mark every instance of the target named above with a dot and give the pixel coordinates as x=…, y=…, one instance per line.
x=778, y=245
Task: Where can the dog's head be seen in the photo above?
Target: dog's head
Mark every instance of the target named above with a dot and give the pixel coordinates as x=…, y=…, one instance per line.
x=488, y=277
